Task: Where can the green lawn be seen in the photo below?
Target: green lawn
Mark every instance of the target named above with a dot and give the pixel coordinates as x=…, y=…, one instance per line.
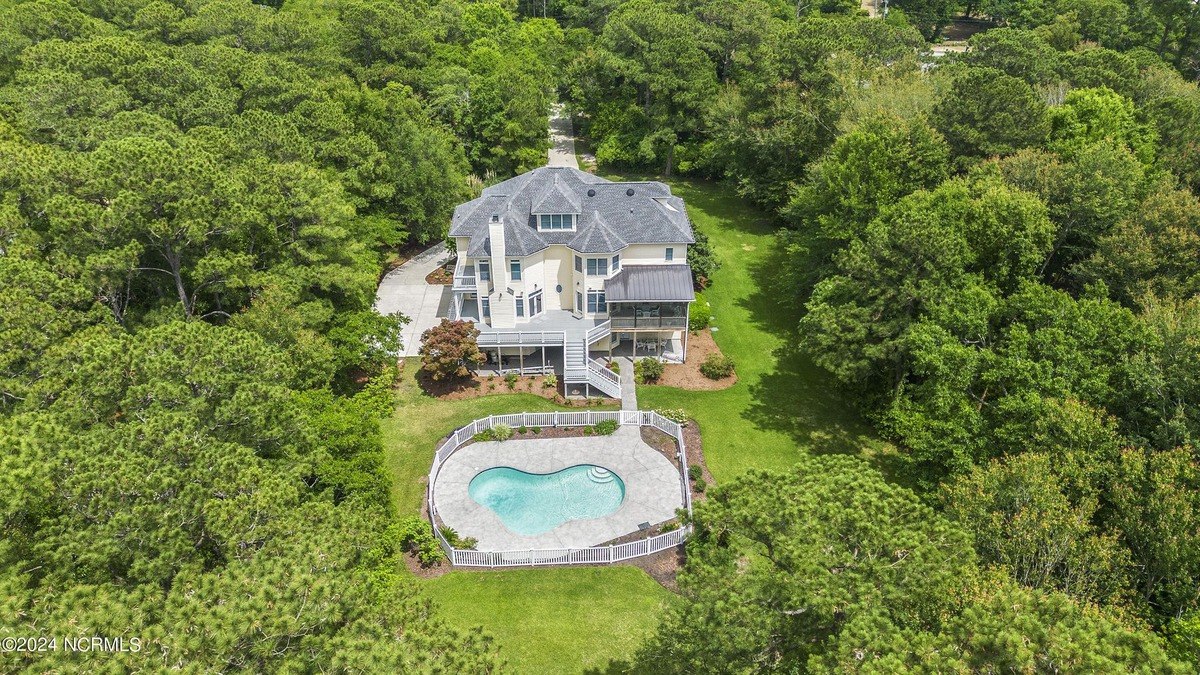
x=782, y=406
x=555, y=620
x=566, y=620
x=545, y=620
x=412, y=433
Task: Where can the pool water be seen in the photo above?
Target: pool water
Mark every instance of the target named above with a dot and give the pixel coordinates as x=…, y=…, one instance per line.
x=532, y=503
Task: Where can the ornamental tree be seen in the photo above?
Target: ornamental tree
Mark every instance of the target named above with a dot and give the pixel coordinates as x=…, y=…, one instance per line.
x=448, y=350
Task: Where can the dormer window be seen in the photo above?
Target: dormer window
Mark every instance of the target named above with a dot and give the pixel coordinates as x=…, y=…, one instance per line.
x=557, y=221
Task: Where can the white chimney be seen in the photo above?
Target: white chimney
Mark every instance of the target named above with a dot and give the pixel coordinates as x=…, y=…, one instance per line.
x=503, y=313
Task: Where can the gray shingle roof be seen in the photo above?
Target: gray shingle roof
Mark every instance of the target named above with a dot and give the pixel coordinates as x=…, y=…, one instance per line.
x=555, y=198
x=651, y=215
x=650, y=283
x=598, y=238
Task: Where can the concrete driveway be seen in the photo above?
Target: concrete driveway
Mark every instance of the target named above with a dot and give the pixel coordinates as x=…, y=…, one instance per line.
x=404, y=290
x=562, y=139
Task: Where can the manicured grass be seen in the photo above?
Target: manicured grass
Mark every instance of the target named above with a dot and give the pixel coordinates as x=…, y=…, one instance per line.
x=559, y=620
x=555, y=620
x=412, y=433
x=782, y=406
x=567, y=620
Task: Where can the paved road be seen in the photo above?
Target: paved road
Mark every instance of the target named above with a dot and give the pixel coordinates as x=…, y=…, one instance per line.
x=562, y=139
x=404, y=290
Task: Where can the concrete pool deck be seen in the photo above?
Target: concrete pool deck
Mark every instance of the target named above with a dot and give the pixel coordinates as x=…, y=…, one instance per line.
x=653, y=490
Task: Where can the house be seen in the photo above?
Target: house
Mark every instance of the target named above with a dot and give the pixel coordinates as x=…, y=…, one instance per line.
x=558, y=267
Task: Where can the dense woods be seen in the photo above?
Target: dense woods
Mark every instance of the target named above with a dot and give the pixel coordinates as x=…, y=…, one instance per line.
x=997, y=253
x=196, y=200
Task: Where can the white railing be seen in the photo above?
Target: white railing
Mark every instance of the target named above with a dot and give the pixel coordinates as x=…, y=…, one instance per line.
x=518, y=338
x=599, y=332
x=562, y=556
x=603, y=372
x=464, y=277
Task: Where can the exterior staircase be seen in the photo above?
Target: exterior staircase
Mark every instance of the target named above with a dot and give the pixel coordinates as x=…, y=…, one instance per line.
x=580, y=369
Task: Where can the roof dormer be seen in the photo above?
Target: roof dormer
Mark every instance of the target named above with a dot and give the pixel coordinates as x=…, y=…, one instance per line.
x=556, y=200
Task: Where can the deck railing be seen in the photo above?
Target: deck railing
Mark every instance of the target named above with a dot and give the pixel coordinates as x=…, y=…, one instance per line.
x=464, y=278
x=599, y=332
x=520, y=338
x=648, y=322
x=563, y=556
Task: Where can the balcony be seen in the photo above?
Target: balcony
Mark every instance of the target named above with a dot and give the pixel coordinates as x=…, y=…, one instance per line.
x=649, y=322
x=464, y=278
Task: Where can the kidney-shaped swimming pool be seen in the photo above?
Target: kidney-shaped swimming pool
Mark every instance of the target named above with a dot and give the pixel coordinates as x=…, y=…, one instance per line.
x=532, y=503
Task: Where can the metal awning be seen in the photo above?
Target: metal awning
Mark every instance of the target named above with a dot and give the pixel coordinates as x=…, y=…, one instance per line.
x=650, y=283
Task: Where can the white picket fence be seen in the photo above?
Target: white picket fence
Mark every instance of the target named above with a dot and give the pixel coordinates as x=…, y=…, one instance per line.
x=562, y=556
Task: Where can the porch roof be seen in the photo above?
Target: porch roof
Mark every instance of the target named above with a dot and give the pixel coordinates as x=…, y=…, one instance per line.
x=650, y=283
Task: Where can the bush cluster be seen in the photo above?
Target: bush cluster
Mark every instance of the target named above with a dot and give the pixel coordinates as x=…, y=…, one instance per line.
x=648, y=370
x=452, y=537
x=414, y=535
x=700, y=315
x=717, y=367
x=500, y=432
x=676, y=415
x=607, y=427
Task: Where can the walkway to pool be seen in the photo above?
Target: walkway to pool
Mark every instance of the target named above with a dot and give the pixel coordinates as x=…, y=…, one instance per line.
x=652, y=488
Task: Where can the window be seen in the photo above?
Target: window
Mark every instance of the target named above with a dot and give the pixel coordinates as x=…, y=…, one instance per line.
x=578, y=264
x=670, y=254
x=616, y=263
x=579, y=301
x=597, y=267
x=520, y=307
x=514, y=269
x=487, y=308
x=596, y=302
x=535, y=303
x=485, y=271
x=556, y=222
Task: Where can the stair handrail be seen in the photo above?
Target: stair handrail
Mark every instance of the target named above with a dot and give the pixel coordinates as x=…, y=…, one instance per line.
x=599, y=331
x=604, y=372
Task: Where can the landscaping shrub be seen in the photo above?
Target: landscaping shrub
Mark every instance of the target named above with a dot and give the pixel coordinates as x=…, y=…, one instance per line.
x=695, y=472
x=701, y=485
x=414, y=535
x=588, y=431
x=501, y=432
x=448, y=350
x=550, y=381
x=699, y=315
x=670, y=527
x=451, y=536
x=522, y=430
x=717, y=367
x=607, y=427
x=615, y=367
x=537, y=430
x=676, y=415
x=648, y=370
x=511, y=380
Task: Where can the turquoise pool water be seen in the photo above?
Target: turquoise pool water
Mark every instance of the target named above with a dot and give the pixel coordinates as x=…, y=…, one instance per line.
x=532, y=503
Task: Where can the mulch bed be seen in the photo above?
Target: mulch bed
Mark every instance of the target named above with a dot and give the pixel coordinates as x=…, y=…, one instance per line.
x=688, y=375
x=479, y=385
x=440, y=277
